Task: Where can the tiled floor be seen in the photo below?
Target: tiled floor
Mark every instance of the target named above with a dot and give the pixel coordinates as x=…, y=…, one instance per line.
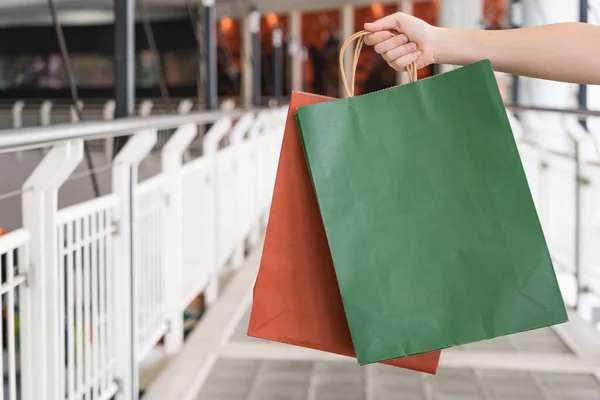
x=299, y=380
x=284, y=380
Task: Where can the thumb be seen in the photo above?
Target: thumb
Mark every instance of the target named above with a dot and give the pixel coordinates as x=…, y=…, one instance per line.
x=386, y=23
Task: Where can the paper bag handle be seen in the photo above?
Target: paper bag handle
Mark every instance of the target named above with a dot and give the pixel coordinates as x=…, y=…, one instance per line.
x=360, y=37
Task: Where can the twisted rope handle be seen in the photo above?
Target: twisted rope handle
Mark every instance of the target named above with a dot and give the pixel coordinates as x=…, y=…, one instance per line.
x=360, y=37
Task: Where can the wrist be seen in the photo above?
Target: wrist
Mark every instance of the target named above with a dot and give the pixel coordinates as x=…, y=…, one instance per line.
x=457, y=46
x=439, y=44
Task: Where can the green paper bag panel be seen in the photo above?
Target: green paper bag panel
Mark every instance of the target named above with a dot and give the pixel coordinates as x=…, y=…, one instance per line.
x=433, y=232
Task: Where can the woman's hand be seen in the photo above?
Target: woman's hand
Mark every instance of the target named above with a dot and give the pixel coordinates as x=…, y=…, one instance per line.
x=566, y=52
x=414, y=41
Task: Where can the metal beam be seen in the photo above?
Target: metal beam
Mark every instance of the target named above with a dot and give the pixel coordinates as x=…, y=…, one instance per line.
x=277, y=62
x=246, y=61
x=124, y=62
x=210, y=41
x=582, y=94
x=516, y=21
x=254, y=23
x=295, y=50
x=347, y=29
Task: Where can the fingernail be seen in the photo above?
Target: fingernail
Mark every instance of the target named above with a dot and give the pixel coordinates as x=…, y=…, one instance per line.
x=417, y=54
x=404, y=39
x=413, y=46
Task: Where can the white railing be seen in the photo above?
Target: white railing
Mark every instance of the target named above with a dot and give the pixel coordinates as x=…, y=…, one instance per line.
x=95, y=286
x=150, y=263
x=198, y=227
x=86, y=305
x=226, y=174
x=22, y=114
x=565, y=186
x=14, y=261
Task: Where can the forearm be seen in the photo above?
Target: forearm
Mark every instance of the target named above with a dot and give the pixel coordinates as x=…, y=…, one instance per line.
x=564, y=52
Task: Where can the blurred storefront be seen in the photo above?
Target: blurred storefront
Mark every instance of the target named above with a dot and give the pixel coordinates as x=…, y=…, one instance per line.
x=320, y=42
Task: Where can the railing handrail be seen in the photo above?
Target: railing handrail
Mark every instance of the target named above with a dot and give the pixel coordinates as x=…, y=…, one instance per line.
x=570, y=111
x=34, y=137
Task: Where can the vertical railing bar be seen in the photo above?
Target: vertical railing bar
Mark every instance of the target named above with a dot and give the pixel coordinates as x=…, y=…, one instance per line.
x=203, y=266
x=157, y=295
x=70, y=315
x=156, y=261
x=95, y=314
x=140, y=201
x=102, y=317
x=190, y=259
x=149, y=264
x=61, y=308
x=146, y=260
x=104, y=298
x=87, y=303
x=79, y=331
x=162, y=310
x=25, y=327
x=12, y=370
x=188, y=251
x=1, y=347
x=109, y=298
x=155, y=265
x=160, y=283
x=577, y=231
x=189, y=255
x=193, y=262
x=184, y=256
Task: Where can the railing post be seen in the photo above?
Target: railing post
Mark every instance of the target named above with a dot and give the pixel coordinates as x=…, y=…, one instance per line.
x=145, y=109
x=124, y=180
x=17, y=114
x=108, y=114
x=274, y=120
x=185, y=106
x=210, y=146
x=17, y=121
x=262, y=160
x=40, y=206
x=45, y=111
x=74, y=110
x=243, y=127
x=172, y=160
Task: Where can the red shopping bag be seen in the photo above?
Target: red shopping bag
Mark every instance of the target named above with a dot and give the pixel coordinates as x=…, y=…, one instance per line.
x=296, y=295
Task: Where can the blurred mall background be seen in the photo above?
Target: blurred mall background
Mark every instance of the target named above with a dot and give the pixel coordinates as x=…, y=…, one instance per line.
x=139, y=141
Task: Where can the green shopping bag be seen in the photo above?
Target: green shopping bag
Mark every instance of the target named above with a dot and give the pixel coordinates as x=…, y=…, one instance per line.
x=431, y=225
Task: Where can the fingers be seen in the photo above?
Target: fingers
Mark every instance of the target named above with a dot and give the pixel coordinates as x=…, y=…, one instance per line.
x=377, y=37
x=399, y=52
x=396, y=50
x=386, y=23
x=389, y=44
x=399, y=64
